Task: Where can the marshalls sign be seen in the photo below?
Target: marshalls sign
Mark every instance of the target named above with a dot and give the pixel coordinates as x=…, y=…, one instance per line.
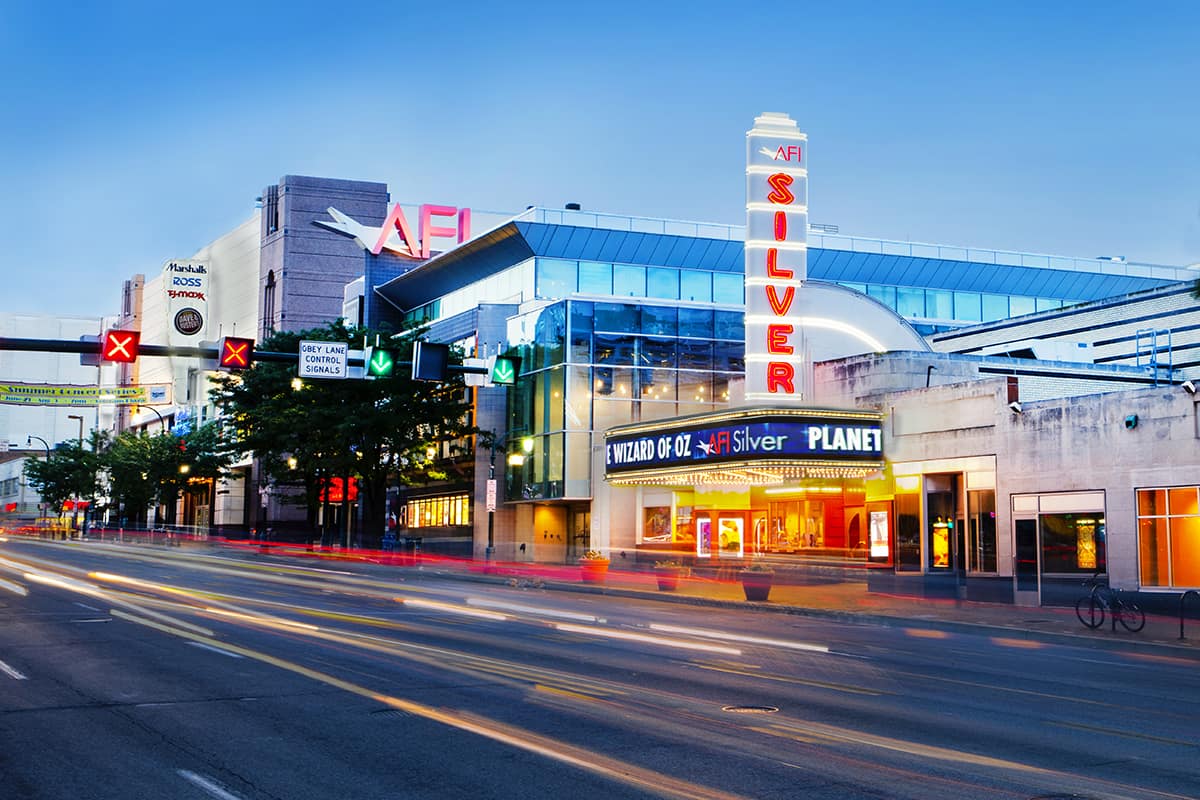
x=323, y=359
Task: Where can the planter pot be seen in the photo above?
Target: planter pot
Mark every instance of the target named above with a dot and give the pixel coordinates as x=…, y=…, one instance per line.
x=593, y=570
x=757, y=585
x=668, y=578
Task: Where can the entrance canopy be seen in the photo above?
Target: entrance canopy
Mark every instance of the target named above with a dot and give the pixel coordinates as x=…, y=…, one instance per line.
x=756, y=446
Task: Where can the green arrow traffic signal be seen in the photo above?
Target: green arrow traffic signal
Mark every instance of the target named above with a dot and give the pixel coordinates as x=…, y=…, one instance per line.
x=380, y=363
x=504, y=370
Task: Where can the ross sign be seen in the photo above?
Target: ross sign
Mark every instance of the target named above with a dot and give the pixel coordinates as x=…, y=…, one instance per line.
x=185, y=289
x=776, y=258
x=763, y=437
x=491, y=495
x=323, y=359
x=234, y=353
x=120, y=346
x=396, y=235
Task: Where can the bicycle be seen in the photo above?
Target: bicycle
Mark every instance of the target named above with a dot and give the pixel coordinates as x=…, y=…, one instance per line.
x=1092, y=607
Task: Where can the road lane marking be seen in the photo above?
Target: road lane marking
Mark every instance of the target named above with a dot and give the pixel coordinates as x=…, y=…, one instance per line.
x=735, y=637
x=535, y=610
x=212, y=787
x=647, y=639
x=89, y=608
x=15, y=588
x=837, y=687
x=1125, y=734
x=209, y=647
x=15, y=674
x=98, y=619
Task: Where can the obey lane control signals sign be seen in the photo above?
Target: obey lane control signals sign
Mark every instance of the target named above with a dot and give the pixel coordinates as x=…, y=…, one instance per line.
x=323, y=359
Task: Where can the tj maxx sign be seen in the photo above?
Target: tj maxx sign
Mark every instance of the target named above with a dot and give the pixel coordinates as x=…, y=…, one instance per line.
x=396, y=234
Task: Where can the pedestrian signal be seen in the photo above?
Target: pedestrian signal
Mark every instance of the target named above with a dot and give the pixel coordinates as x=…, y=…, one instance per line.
x=120, y=346
x=235, y=353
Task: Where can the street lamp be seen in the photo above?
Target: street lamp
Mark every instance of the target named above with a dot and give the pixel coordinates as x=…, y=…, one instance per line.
x=29, y=443
x=516, y=460
x=162, y=423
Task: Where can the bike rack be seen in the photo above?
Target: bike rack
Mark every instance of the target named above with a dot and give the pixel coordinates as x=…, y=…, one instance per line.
x=1182, y=598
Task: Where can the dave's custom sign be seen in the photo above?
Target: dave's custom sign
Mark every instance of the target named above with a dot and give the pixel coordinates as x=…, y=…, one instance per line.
x=773, y=438
x=776, y=258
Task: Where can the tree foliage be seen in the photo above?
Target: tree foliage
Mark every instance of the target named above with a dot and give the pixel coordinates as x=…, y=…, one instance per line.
x=70, y=471
x=375, y=430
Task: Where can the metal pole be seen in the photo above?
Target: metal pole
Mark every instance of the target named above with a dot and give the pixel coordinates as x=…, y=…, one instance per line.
x=487, y=554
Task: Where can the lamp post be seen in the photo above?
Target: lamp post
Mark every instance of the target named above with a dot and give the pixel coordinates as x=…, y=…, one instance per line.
x=29, y=443
x=516, y=460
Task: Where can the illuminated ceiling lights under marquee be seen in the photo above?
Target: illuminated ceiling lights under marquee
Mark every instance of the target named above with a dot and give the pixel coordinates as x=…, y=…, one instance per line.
x=790, y=320
x=746, y=446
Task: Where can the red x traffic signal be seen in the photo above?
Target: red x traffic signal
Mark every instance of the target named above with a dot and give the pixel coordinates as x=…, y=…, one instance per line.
x=235, y=353
x=120, y=346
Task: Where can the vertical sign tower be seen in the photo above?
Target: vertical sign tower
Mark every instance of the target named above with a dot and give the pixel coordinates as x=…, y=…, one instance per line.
x=776, y=258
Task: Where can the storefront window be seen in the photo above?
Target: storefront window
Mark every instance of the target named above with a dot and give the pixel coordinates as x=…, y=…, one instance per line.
x=981, y=531
x=908, y=524
x=441, y=511
x=695, y=355
x=655, y=352
x=1073, y=543
x=1169, y=537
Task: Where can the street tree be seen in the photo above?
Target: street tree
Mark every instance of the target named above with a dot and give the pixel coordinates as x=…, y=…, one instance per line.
x=70, y=472
x=306, y=433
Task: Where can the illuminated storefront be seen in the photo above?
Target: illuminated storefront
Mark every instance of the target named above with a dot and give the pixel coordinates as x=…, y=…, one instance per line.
x=757, y=481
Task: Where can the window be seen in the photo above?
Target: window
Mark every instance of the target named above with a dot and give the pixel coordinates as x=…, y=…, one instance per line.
x=729, y=289
x=1169, y=537
x=662, y=283
x=1073, y=543
x=939, y=304
x=910, y=302
x=995, y=306
x=556, y=278
x=967, y=307
x=439, y=512
x=595, y=278
x=695, y=286
x=659, y=320
x=1020, y=305
x=981, y=531
x=696, y=323
x=884, y=294
x=629, y=281
x=1048, y=304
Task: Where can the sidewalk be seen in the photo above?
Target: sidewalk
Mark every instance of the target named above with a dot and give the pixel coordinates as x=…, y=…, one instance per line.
x=851, y=602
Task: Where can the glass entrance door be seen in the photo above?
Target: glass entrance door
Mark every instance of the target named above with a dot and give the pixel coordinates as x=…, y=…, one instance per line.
x=1025, y=562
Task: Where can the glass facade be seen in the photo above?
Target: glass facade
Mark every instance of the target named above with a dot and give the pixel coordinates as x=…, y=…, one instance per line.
x=587, y=366
x=558, y=278
x=938, y=305
x=438, y=512
x=1168, y=522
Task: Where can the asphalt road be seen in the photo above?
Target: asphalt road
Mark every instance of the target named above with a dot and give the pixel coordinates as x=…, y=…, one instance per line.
x=128, y=673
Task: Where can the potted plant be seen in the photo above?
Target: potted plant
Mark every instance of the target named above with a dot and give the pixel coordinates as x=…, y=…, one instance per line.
x=593, y=566
x=668, y=573
x=756, y=581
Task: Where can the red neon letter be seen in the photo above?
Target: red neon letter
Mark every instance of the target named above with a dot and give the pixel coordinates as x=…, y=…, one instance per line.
x=428, y=231
x=777, y=339
x=780, y=307
x=781, y=194
x=779, y=376
x=397, y=219
x=780, y=226
x=773, y=269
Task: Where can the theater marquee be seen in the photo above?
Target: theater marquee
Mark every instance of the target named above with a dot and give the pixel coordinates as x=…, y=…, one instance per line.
x=757, y=446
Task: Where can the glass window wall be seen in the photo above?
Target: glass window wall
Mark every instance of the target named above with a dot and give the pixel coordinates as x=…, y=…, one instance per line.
x=1169, y=537
x=555, y=278
x=595, y=278
x=695, y=286
x=729, y=288
x=629, y=281
x=662, y=284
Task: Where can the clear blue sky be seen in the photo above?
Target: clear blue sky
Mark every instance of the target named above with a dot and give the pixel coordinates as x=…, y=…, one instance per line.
x=140, y=132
